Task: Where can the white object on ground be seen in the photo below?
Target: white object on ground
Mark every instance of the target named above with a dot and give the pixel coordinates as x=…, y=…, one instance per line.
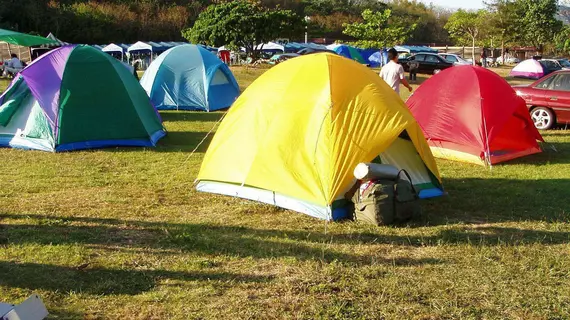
x=31, y=309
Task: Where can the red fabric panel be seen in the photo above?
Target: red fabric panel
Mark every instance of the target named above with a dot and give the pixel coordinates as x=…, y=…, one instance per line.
x=448, y=107
x=467, y=106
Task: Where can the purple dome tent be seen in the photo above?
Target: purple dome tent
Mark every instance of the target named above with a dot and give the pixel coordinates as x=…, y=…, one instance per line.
x=531, y=69
x=77, y=97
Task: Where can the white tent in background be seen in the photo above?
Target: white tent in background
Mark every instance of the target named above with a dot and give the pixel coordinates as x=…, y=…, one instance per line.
x=270, y=46
x=58, y=43
x=37, y=51
x=140, y=46
x=222, y=48
x=113, y=48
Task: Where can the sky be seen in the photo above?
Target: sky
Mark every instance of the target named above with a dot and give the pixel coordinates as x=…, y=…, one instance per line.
x=457, y=4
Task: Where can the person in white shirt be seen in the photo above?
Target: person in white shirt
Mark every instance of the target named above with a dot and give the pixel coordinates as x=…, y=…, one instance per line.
x=13, y=66
x=393, y=72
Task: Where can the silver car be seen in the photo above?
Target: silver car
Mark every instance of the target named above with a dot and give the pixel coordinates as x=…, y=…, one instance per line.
x=455, y=59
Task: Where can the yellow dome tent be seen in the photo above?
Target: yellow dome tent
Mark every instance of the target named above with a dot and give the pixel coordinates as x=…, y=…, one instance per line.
x=294, y=137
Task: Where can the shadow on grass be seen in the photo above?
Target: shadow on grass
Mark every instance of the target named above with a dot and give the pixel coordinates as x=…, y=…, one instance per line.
x=552, y=153
x=184, y=141
x=101, y=281
x=159, y=238
x=173, y=116
x=256, y=243
x=477, y=200
x=420, y=78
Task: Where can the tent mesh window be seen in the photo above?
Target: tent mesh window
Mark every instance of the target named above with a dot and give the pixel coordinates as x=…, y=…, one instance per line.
x=219, y=78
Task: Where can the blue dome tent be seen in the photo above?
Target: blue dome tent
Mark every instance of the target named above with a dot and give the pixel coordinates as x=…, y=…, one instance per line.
x=370, y=56
x=189, y=77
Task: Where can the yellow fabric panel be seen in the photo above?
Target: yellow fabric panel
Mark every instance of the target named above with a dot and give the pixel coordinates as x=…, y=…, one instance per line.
x=367, y=118
x=270, y=137
x=422, y=147
x=455, y=155
x=302, y=127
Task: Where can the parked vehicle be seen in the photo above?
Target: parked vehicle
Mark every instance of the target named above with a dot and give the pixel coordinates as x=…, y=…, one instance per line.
x=564, y=62
x=429, y=63
x=455, y=59
x=550, y=65
x=548, y=99
x=305, y=51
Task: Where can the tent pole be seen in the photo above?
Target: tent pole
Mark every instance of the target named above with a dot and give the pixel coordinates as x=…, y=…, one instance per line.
x=488, y=151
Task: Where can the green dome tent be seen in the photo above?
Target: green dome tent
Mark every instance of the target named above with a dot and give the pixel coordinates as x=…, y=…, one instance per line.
x=77, y=97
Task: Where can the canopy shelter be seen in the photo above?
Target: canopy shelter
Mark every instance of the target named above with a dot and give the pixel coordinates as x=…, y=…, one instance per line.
x=140, y=47
x=415, y=49
x=295, y=47
x=294, y=137
x=157, y=47
x=172, y=44
x=77, y=97
x=37, y=51
x=471, y=114
x=114, y=49
x=141, y=52
x=166, y=45
x=57, y=42
x=224, y=48
x=189, y=77
x=21, y=44
x=23, y=39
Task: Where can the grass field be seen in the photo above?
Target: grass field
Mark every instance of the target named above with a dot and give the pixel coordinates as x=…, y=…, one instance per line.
x=121, y=234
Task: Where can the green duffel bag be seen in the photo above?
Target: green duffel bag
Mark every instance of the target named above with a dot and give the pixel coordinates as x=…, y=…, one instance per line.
x=385, y=202
x=376, y=203
x=406, y=199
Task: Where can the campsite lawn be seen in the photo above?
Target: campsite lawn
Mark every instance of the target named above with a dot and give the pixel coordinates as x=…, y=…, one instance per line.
x=120, y=233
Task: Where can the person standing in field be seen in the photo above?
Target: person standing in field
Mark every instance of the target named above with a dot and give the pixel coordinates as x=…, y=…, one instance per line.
x=413, y=65
x=484, y=58
x=393, y=72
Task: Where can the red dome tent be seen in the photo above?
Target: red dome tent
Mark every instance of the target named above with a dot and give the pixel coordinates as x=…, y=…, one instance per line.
x=473, y=115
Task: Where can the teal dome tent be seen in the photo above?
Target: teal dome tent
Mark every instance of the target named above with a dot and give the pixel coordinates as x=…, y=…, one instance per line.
x=189, y=77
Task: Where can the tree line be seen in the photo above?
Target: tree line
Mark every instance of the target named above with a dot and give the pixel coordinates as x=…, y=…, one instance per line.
x=105, y=21
x=536, y=23
x=367, y=23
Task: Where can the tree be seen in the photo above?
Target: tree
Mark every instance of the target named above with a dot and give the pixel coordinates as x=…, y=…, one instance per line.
x=379, y=29
x=467, y=27
x=503, y=21
x=537, y=23
x=242, y=24
x=562, y=41
x=430, y=20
